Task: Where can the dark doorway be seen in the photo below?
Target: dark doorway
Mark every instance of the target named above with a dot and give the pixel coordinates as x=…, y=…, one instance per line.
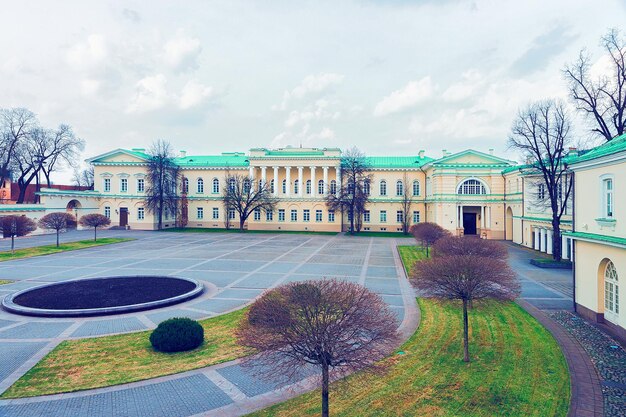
x=469, y=223
x=124, y=216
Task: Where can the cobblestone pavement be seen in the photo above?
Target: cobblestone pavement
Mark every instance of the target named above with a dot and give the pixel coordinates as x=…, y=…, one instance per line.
x=607, y=355
x=235, y=268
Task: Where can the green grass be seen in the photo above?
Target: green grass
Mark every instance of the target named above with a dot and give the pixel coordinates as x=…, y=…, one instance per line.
x=517, y=369
x=551, y=261
x=379, y=234
x=236, y=230
x=410, y=255
x=5, y=281
x=63, y=247
x=110, y=360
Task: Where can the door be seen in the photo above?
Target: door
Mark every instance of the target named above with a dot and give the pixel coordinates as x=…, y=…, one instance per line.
x=123, y=216
x=469, y=223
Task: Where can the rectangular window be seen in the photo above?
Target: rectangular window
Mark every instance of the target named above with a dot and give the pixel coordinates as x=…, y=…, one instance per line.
x=399, y=216
x=608, y=197
x=200, y=213
x=231, y=214
x=216, y=213
x=294, y=215
x=141, y=185
x=416, y=217
x=331, y=216
x=269, y=215
x=107, y=212
x=541, y=191
x=383, y=216
x=257, y=214
x=124, y=185
x=141, y=213
x=281, y=215
x=318, y=215
x=366, y=216
x=107, y=185
x=306, y=216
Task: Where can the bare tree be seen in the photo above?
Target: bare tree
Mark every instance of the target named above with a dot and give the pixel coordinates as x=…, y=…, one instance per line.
x=15, y=226
x=84, y=177
x=56, y=221
x=94, y=220
x=15, y=126
x=542, y=132
x=163, y=176
x=603, y=99
x=465, y=278
x=333, y=325
x=428, y=233
x=242, y=195
x=353, y=192
x=463, y=245
x=62, y=149
x=406, y=203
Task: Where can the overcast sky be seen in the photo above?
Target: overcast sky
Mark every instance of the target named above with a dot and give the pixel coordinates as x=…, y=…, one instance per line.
x=390, y=77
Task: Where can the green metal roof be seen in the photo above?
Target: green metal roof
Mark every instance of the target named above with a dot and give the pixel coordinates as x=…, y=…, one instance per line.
x=397, y=161
x=227, y=159
x=515, y=168
x=615, y=145
x=598, y=238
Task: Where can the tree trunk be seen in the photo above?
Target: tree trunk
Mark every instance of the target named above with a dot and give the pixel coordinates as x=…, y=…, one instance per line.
x=58, y=231
x=556, y=239
x=95, y=231
x=466, y=357
x=325, y=378
x=12, y=244
x=242, y=221
x=351, y=220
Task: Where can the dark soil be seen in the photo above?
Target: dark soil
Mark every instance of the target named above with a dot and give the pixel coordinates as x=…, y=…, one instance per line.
x=104, y=292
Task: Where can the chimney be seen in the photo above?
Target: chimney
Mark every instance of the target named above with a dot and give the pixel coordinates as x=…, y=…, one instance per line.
x=421, y=154
x=490, y=151
x=572, y=151
x=445, y=152
x=183, y=154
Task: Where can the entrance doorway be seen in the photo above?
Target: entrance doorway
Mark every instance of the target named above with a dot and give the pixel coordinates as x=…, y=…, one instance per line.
x=123, y=216
x=469, y=224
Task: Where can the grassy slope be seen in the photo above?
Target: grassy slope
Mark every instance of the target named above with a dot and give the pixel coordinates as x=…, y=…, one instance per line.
x=236, y=230
x=110, y=360
x=63, y=247
x=5, y=281
x=517, y=370
x=410, y=255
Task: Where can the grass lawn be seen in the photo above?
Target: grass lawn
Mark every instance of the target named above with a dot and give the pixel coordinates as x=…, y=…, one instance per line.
x=110, y=360
x=517, y=369
x=411, y=254
x=5, y=281
x=236, y=230
x=63, y=247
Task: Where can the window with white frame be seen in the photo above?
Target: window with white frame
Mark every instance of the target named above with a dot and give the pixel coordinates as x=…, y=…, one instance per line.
x=383, y=216
x=246, y=185
x=320, y=187
x=333, y=187
x=416, y=188
x=269, y=215
x=611, y=289
x=107, y=212
x=306, y=215
x=294, y=215
x=200, y=186
x=216, y=213
x=541, y=192
x=472, y=187
x=185, y=185
x=331, y=216
x=281, y=215
x=296, y=186
x=141, y=213
x=416, y=217
x=260, y=184
x=272, y=184
x=200, y=213
x=257, y=214
x=366, y=187
x=123, y=185
x=216, y=186
x=399, y=216
x=399, y=188
x=285, y=186
x=232, y=184
x=383, y=187
x=107, y=185
x=141, y=185
x=318, y=216
x=366, y=216
x=231, y=214
x=607, y=197
x=308, y=186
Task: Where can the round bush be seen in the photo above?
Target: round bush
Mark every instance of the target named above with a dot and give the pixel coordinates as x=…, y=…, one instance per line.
x=177, y=335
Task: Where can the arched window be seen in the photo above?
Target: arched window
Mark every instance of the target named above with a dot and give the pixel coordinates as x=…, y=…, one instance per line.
x=416, y=188
x=366, y=187
x=350, y=187
x=232, y=184
x=296, y=186
x=272, y=186
x=284, y=186
x=185, y=185
x=308, y=186
x=471, y=187
x=200, y=186
x=260, y=184
x=611, y=291
x=320, y=187
x=333, y=187
x=383, y=187
x=246, y=185
x=399, y=188
x=216, y=186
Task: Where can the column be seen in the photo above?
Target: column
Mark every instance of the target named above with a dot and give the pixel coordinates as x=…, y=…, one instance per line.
x=288, y=180
x=313, y=188
x=461, y=217
x=564, y=247
x=537, y=238
x=276, y=185
x=482, y=218
x=338, y=175
x=300, y=184
x=488, y=214
x=542, y=240
x=251, y=173
x=264, y=175
x=325, y=180
x=549, y=242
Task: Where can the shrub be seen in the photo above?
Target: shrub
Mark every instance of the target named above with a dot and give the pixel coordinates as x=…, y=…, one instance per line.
x=177, y=335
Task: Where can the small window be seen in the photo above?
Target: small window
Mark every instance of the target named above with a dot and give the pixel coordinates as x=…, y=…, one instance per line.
x=257, y=214
x=308, y=186
x=416, y=188
x=306, y=215
x=216, y=186
x=232, y=184
x=200, y=213
x=231, y=214
x=399, y=188
x=416, y=217
x=185, y=185
x=383, y=216
x=285, y=186
x=124, y=185
x=333, y=187
x=281, y=215
x=366, y=187
x=141, y=185
x=269, y=215
x=320, y=187
x=399, y=216
x=472, y=187
x=272, y=184
x=541, y=192
x=294, y=215
x=296, y=186
x=383, y=188
x=200, y=186
x=318, y=216
x=366, y=216
x=611, y=289
x=107, y=212
x=247, y=185
x=331, y=216
x=141, y=213
x=107, y=185
x=216, y=213
x=607, y=187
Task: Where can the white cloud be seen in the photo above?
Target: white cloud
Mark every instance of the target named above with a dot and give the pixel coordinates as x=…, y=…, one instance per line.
x=304, y=137
x=413, y=93
x=89, y=86
x=150, y=94
x=462, y=90
x=311, y=84
x=193, y=94
x=181, y=53
x=87, y=54
x=316, y=112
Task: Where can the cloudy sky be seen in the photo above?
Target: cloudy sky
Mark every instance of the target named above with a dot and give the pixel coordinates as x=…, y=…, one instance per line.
x=391, y=77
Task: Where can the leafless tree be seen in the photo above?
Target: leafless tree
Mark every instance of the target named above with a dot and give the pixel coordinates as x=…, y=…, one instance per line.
x=465, y=278
x=406, y=203
x=241, y=194
x=353, y=192
x=56, y=221
x=333, y=325
x=94, y=220
x=467, y=246
x=15, y=126
x=603, y=99
x=542, y=132
x=84, y=177
x=162, y=180
x=15, y=226
x=428, y=233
